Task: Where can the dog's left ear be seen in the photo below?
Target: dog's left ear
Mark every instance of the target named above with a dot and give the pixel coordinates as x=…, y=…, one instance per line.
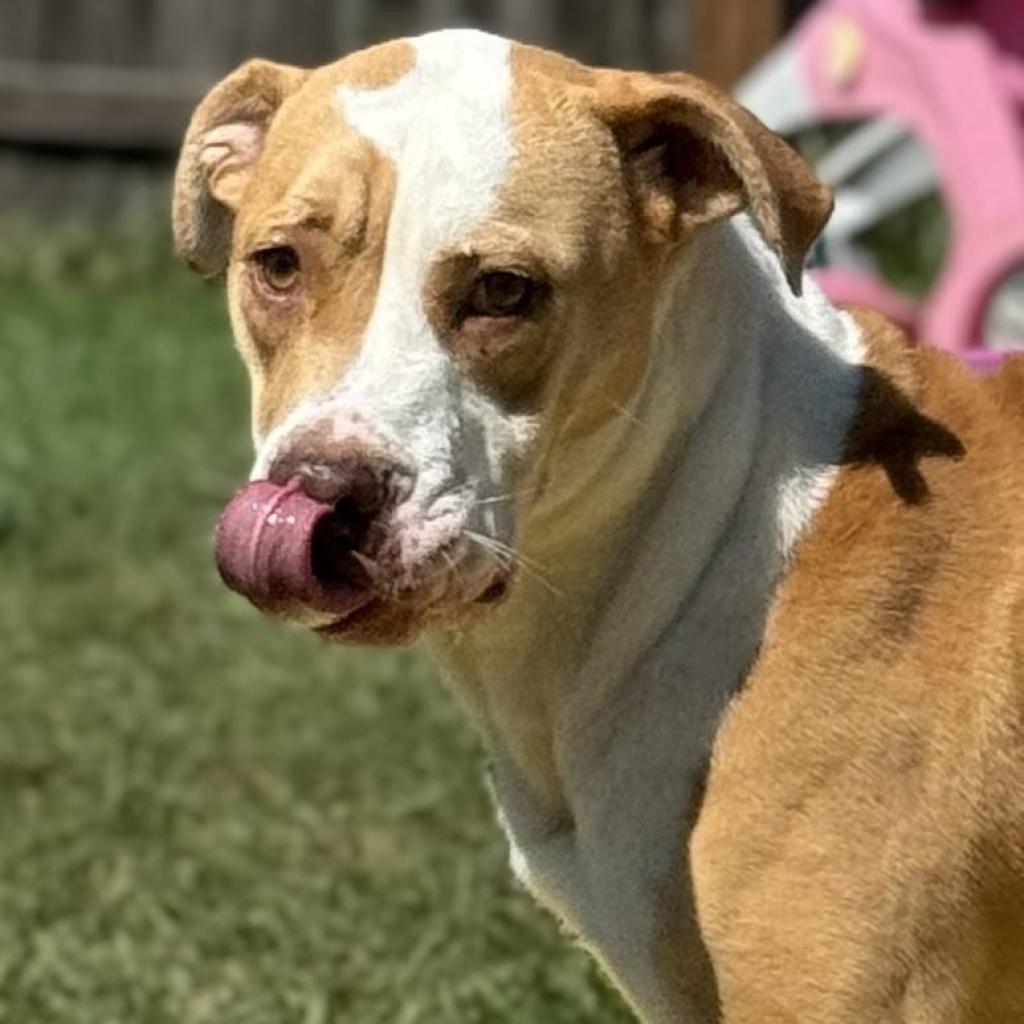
x=693, y=156
x=222, y=145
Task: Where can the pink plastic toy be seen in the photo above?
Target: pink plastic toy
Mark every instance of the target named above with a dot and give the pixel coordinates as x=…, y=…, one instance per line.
x=943, y=87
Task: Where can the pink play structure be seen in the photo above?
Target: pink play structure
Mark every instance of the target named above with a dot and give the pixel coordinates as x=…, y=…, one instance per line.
x=939, y=89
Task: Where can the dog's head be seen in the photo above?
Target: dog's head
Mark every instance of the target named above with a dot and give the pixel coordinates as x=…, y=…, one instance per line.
x=444, y=257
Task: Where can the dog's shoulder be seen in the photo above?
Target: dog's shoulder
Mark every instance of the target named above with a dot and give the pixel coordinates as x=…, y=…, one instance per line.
x=922, y=535
x=883, y=721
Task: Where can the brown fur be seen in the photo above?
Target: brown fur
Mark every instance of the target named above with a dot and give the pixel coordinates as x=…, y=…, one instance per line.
x=860, y=853
x=308, y=183
x=711, y=158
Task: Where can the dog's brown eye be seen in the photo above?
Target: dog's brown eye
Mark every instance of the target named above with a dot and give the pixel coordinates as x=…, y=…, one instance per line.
x=503, y=293
x=278, y=267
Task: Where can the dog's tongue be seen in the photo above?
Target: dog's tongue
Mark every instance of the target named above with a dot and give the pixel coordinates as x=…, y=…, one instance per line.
x=287, y=554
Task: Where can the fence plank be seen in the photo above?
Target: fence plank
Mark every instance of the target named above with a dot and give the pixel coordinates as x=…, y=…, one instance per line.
x=102, y=37
x=205, y=38
x=138, y=33
x=21, y=30
x=666, y=48
x=95, y=106
x=262, y=18
x=352, y=24
x=57, y=41
x=626, y=34
x=435, y=14
x=730, y=35
x=186, y=36
x=530, y=21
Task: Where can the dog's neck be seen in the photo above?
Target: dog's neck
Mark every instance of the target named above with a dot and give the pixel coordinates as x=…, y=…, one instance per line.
x=647, y=576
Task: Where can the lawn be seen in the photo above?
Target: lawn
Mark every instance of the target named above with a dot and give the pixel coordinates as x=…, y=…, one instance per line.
x=204, y=818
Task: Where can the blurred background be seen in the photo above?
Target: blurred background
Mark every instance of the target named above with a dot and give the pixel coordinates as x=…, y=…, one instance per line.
x=203, y=819
x=81, y=79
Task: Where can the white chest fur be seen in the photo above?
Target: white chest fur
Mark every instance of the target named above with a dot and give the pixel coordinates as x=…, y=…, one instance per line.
x=616, y=875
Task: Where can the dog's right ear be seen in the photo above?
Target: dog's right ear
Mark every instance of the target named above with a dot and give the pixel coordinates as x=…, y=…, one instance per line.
x=222, y=145
x=693, y=157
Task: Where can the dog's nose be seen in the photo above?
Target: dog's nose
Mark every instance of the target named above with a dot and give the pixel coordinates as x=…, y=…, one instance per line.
x=363, y=486
x=368, y=482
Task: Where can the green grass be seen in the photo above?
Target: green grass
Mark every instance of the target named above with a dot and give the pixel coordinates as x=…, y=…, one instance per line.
x=204, y=818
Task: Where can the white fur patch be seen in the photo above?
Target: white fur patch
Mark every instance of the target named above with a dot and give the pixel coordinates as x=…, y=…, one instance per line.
x=635, y=677
x=448, y=118
x=804, y=490
x=446, y=127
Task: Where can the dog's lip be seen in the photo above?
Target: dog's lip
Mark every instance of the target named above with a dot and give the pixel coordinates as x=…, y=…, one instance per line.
x=496, y=590
x=492, y=589
x=352, y=620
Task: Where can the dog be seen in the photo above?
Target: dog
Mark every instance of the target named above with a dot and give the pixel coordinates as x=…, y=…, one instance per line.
x=729, y=580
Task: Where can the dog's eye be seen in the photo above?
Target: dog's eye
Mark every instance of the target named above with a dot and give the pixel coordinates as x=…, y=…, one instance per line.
x=278, y=267
x=503, y=293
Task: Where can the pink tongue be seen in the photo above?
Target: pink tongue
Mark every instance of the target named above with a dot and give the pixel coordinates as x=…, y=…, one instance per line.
x=265, y=551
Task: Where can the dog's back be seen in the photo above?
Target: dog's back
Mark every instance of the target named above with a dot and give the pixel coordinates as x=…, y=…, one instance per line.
x=865, y=808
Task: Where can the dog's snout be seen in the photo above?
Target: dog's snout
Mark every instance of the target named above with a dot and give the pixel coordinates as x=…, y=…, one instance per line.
x=363, y=486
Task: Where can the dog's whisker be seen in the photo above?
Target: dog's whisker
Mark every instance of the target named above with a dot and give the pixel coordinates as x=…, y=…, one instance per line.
x=370, y=567
x=510, y=557
x=496, y=500
x=487, y=544
x=502, y=498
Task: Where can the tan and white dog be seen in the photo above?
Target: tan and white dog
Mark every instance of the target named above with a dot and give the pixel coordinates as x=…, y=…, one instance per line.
x=730, y=581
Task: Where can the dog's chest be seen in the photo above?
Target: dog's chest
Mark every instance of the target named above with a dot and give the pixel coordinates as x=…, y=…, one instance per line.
x=600, y=886
x=616, y=877
x=604, y=892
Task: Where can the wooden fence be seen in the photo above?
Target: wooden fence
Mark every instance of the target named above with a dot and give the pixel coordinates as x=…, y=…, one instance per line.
x=126, y=73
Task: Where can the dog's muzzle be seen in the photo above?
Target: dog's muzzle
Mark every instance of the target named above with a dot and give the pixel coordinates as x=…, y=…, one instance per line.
x=334, y=542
